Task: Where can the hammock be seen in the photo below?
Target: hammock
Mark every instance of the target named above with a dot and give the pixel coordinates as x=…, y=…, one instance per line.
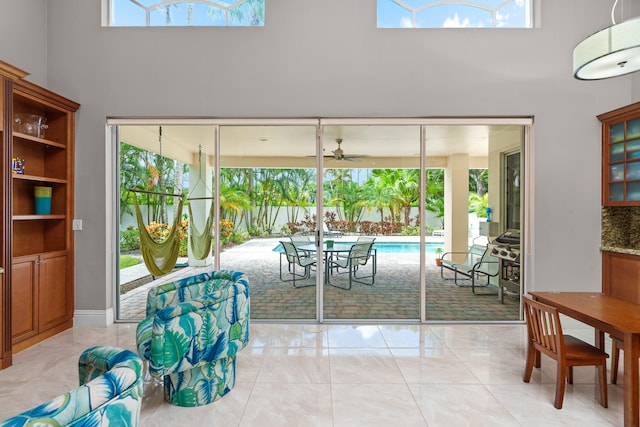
x=159, y=257
x=200, y=241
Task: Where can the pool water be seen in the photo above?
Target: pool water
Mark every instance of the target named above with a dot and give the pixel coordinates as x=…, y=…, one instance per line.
x=390, y=247
x=406, y=247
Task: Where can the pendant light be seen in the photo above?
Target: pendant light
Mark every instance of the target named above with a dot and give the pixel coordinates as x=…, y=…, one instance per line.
x=611, y=52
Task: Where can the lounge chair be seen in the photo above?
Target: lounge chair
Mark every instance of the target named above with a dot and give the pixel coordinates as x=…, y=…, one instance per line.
x=478, y=262
x=330, y=233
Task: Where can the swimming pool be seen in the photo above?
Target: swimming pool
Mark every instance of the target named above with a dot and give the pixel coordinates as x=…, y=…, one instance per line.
x=392, y=247
x=406, y=247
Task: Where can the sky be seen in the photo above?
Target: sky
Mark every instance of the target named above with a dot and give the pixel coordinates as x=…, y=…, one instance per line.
x=391, y=14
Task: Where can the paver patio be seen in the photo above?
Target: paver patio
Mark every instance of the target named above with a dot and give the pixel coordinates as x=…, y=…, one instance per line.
x=394, y=296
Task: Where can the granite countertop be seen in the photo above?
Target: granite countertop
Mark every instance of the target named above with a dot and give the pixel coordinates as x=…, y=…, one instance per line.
x=628, y=251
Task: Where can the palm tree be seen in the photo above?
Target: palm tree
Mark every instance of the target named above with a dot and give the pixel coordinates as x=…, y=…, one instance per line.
x=435, y=193
x=406, y=191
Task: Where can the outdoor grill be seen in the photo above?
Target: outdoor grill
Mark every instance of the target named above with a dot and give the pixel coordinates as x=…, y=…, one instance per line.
x=506, y=247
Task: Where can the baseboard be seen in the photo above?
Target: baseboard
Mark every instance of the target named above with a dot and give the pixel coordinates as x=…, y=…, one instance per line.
x=93, y=318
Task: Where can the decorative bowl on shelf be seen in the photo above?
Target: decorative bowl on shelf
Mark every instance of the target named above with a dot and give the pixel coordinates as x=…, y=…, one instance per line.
x=31, y=124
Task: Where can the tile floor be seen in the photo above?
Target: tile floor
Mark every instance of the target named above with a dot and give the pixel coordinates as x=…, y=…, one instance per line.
x=346, y=375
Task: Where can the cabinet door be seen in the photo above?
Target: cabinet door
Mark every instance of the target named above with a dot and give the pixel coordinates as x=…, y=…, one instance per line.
x=24, y=298
x=621, y=276
x=53, y=290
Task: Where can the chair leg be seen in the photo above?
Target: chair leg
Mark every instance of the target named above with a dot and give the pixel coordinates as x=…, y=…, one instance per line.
x=561, y=381
x=570, y=374
x=615, y=359
x=531, y=359
x=602, y=376
x=201, y=385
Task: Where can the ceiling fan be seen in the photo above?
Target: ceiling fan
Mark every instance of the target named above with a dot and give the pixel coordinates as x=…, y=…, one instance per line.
x=338, y=154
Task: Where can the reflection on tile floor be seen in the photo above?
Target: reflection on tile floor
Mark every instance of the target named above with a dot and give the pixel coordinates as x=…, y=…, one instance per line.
x=345, y=375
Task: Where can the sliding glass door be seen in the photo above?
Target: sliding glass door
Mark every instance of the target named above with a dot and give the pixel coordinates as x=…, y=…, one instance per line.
x=371, y=221
x=331, y=219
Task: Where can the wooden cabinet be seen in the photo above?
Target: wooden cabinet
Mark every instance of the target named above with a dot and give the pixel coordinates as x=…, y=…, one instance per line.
x=37, y=184
x=621, y=156
x=41, y=301
x=621, y=276
x=620, y=240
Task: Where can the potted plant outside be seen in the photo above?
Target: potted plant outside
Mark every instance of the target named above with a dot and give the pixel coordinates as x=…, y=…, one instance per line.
x=439, y=257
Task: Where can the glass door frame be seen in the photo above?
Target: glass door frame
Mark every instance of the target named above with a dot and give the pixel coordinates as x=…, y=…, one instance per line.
x=112, y=125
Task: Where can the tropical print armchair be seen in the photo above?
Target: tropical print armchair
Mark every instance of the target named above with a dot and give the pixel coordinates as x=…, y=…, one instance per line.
x=193, y=330
x=110, y=393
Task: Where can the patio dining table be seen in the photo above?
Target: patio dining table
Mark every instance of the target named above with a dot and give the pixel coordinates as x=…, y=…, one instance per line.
x=329, y=249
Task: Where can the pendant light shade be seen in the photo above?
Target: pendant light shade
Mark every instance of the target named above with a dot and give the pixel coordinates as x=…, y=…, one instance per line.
x=611, y=52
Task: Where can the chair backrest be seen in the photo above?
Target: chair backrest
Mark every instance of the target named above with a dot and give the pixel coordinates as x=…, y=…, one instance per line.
x=360, y=252
x=365, y=239
x=544, y=328
x=489, y=264
x=291, y=251
x=299, y=239
x=188, y=288
x=475, y=254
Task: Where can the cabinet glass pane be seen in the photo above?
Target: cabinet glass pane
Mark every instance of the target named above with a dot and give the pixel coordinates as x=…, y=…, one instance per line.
x=633, y=128
x=616, y=133
x=616, y=173
x=633, y=150
x=616, y=152
x=633, y=171
x=633, y=191
x=616, y=192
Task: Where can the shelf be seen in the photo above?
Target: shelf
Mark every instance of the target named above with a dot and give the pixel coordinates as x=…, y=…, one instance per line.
x=36, y=217
x=39, y=178
x=38, y=140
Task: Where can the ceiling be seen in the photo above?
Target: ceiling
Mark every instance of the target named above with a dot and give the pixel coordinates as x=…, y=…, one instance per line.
x=297, y=143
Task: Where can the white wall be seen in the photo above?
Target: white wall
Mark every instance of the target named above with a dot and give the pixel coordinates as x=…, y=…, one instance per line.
x=23, y=37
x=326, y=58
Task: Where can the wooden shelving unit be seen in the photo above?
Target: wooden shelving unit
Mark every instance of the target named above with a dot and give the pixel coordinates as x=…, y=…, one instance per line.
x=37, y=247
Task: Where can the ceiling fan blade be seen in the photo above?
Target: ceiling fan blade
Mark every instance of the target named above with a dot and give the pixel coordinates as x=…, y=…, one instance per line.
x=352, y=159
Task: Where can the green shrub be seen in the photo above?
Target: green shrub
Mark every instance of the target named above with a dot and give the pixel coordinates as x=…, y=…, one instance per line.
x=129, y=240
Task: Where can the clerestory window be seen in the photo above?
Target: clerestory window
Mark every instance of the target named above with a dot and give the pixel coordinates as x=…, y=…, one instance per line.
x=455, y=14
x=155, y=13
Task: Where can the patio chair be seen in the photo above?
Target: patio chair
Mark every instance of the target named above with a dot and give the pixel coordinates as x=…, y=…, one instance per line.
x=478, y=262
x=358, y=256
x=301, y=240
x=295, y=259
x=544, y=332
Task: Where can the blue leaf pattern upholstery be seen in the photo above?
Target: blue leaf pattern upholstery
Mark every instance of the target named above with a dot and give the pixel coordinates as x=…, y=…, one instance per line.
x=193, y=330
x=110, y=393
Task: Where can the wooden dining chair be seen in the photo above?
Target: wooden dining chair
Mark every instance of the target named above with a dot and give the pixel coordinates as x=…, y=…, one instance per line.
x=545, y=336
x=616, y=345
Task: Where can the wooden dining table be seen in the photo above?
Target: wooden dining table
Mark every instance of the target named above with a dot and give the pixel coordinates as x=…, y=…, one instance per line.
x=607, y=314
